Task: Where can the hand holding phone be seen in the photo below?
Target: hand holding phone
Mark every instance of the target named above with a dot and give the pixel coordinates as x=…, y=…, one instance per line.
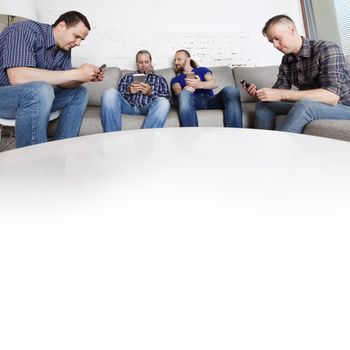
x=249, y=87
x=245, y=83
x=138, y=78
x=103, y=67
x=190, y=75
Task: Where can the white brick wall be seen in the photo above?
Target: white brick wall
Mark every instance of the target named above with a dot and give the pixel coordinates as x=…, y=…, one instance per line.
x=225, y=32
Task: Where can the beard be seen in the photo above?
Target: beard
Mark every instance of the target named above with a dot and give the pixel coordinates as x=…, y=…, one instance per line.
x=179, y=69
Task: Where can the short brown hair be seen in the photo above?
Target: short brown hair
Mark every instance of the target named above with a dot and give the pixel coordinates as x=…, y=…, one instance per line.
x=71, y=18
x=274, y=20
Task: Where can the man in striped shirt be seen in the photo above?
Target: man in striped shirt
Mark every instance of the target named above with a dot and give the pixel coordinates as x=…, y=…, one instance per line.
x=317, y=68
x=36, y=77
x=150, y=97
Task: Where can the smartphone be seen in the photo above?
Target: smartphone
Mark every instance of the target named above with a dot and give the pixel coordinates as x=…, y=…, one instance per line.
x=246, y=83
x=103, y=67
x=138, y=78
x=190, y=75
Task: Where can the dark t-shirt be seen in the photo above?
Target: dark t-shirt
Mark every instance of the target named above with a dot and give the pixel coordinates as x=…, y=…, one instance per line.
x=201, y=72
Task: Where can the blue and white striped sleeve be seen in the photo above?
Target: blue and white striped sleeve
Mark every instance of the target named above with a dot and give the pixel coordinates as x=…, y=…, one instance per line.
x=19, y=49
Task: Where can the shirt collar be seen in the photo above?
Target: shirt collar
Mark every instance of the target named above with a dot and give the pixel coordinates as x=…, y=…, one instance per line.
x=305, y=50
x=50, y=39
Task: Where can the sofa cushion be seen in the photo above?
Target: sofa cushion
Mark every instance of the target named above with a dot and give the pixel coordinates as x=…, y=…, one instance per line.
x=112, y=76
x=260, y=76
x=167, y=73
x=223, y=76
x=334, y=129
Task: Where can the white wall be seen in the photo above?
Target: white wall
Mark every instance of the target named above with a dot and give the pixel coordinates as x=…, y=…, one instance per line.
x=226, y=32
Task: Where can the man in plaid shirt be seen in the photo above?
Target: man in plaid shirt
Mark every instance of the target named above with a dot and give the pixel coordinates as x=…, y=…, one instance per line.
x=150, y=98
x=317, y=68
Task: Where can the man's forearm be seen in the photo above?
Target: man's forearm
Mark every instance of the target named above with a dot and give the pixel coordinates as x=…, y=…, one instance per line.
x=209, y=84
x=320, y=95
x=21, y=75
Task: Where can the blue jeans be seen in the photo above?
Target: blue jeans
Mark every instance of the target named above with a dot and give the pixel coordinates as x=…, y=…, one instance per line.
x=298, y=114
x=31, y=103
x=227, y=99
x=113, y=104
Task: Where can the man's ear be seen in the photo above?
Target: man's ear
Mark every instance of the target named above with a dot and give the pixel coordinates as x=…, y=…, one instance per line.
x=292, y=29
x=61, y=25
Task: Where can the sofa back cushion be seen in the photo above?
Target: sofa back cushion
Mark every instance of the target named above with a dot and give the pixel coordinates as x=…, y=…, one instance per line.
x=260, y=76
x=112, y=76
x=167, y=73
x=223, y=76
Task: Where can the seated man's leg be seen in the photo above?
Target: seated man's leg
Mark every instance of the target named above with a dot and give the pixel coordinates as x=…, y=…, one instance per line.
x=229, y=100
x=30, y=104
x=187, y=109
x=113, y=105
x=265, y=113
x=305, y=111
x=73, y=102
x=157, y=112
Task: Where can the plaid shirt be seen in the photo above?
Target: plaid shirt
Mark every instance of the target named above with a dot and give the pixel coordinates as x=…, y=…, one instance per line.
x=158, y=85
x=30, y=44
x=320, y=64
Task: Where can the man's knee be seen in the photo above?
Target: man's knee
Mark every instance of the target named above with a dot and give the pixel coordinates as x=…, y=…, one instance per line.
x=40, y=92
x=231, y=92
x=82, y=93
x=306, y=105
x=110, y=96
x=163, y=104
x=185, y=96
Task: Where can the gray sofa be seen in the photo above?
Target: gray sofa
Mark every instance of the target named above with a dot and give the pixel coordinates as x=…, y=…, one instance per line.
x=261, y=76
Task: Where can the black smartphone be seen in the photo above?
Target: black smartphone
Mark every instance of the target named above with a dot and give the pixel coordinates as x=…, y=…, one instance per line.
x=246, y=83
x=102, y=67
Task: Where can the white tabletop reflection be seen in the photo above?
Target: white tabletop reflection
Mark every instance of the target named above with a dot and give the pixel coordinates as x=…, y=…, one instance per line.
x=201, y=238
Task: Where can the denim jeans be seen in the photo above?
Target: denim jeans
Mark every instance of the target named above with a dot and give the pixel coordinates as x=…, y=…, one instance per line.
x=227, y=99
x=31, y=103
x=113, y=104
x=298, y=114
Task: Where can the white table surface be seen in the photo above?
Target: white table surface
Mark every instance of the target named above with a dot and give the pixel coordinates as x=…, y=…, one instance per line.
x=200, y=238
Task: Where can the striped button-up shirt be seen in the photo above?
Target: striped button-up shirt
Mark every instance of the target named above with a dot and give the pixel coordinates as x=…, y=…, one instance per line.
x=158, y=85
x=320, y=64
x=30, y=44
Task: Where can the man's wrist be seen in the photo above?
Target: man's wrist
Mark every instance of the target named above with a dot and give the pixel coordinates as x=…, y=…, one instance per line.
x=76, y=75
x=284, y=94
